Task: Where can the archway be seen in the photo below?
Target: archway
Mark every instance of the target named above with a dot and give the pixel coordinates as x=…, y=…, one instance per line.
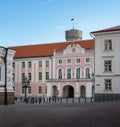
x=68, y=91
x=54, y=91
x=82, y=91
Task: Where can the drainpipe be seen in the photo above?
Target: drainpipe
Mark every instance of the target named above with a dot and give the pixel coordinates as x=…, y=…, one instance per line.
x=91, y=34
x=6, y=99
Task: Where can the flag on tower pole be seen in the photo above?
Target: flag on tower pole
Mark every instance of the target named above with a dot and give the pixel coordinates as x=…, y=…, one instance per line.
x=73, y=22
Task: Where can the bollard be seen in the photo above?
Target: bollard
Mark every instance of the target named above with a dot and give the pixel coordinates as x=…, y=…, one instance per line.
x=79, y=99
x=72, y=100
x=66, y=100
x=91, y=99
x=85, y=99
x=39, y=100
x=61, y=99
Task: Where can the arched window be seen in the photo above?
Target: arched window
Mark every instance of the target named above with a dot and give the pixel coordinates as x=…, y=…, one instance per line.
x=60, y=73
x=87, y=73
x=69, y=73
x=78, y=73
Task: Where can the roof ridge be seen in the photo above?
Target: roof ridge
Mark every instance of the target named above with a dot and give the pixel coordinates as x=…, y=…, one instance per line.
x=49, y=43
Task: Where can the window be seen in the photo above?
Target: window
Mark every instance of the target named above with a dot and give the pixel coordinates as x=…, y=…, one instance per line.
x=46, y=90
x=78, y=73
x=107, y=65
x=13, y=76
x=39, y=90
x=29, y=90
x=78, y=60
x=40, y=63
x=47, y=75
x=69, y=73
x=23, y=90
x=23, y=76
x=29, y=76
x=23, y=64
x=13, y=64
x=87, y=60
x=108, y=84
x=60, y=73
x=40, y=75
x=108, y=45
x=68, y=60
x=87, y=73
x=60, y=61
x=47, y=63
x=29, y=64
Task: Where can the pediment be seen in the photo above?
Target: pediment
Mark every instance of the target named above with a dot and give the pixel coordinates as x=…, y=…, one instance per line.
x=74, y=49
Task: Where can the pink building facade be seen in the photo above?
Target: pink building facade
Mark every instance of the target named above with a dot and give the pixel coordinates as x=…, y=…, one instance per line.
x=62, y=69
x=72, y=71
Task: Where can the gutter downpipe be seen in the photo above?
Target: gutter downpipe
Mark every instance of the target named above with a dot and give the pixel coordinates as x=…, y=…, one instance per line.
x=94, y=60
x=6, y=99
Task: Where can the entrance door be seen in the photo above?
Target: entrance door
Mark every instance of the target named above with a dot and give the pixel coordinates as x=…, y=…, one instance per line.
x=82, y=91
x=54, y=91
x=68, y=91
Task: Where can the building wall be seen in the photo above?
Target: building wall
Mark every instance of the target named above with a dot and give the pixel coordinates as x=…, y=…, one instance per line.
x=73, y=55
x=6, y=82
x=100, y=56
x=68, y=53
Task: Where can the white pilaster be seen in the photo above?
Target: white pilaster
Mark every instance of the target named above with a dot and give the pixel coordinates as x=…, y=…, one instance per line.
x=77, y=92
x=48, y=90
x=89, y=90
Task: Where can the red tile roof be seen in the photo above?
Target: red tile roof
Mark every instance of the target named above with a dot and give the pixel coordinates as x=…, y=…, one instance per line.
x=43, y=50
x=115, y=28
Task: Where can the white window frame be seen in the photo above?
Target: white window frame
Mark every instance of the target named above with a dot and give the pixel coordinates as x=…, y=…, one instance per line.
x=108, y=84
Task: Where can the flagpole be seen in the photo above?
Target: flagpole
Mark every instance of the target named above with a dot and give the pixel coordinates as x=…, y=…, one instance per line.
x=73, y=23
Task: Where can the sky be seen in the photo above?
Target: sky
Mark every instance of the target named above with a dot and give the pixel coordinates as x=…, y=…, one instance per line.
x=29, y=22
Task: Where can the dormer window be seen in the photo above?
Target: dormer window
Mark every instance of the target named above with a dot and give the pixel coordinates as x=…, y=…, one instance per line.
x=108, y=45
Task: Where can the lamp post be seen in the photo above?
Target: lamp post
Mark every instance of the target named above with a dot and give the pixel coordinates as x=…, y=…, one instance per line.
x=25, y=83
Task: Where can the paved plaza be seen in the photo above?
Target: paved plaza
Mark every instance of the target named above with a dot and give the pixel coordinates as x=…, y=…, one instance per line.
x=96, y=114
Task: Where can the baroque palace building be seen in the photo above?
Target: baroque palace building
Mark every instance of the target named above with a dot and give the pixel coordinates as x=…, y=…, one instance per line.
x=75, y=68
x=62, y=69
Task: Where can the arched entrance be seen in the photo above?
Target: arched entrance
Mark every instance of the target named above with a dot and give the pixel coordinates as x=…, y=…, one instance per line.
x=82, y=91
x=68, y=91
x=54, y=91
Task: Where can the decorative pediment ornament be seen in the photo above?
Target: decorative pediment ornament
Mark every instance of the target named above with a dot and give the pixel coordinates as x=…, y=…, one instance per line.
x=73, y=49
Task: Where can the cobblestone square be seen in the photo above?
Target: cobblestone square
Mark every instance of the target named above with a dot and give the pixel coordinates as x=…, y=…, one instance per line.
x=97, y=114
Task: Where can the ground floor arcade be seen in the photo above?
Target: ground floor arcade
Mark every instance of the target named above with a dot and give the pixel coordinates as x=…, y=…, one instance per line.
x=74, y=89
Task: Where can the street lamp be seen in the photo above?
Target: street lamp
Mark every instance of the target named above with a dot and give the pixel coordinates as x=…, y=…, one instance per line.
x=25, y=83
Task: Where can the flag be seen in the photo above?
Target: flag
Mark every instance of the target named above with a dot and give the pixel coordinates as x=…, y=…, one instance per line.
x=72, y=19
